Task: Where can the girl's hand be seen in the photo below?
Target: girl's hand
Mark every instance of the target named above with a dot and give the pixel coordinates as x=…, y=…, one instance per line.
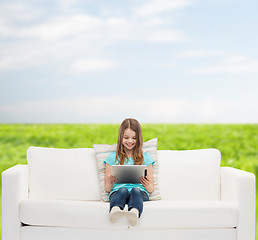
x=147, y=184
x=111, y=180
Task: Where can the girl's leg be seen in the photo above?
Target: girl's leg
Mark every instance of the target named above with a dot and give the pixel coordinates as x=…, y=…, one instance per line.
x=119, y=198
x=136, y=199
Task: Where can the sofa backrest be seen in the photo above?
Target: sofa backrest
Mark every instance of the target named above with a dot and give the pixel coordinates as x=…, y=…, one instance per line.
x=71, y=174
x=189, y=174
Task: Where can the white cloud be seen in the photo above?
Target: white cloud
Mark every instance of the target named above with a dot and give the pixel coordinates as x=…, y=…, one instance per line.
x=155, y=7
x=154, y=22
x=94, y=30
x=235, y=59
x=4, y=29
x=19, y=12
x=31, y=54
x=13, y=60
x=107, y=108
x=68, y=5
x=91, y=65
x=68, y=37
x=229, y=66
x=167, y=36
x=202, y=53
x=60, y=27
x=73, y=37
x=61, y=39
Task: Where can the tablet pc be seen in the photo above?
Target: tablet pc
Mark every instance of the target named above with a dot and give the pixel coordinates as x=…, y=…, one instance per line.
x=128, y=173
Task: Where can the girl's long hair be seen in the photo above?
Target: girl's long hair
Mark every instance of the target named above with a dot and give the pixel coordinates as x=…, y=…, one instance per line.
x=121, y=155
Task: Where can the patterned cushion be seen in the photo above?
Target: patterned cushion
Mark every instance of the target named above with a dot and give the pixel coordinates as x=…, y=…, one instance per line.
x=103, y=150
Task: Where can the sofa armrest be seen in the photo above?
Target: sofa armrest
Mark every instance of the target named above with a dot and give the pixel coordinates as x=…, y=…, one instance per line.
x=14, y=189
x=238, y=187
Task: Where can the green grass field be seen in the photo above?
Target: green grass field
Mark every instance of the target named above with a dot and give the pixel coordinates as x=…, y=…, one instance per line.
x=238, y=143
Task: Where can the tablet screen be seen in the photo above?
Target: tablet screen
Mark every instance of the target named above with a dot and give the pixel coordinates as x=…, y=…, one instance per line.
x=128, y=173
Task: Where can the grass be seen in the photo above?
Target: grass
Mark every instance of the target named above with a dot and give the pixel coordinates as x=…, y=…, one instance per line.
x=237, y=142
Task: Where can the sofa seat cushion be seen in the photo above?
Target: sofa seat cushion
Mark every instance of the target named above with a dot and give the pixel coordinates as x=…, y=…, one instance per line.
x=189, y=214
x=66, y=213
x=157, y=214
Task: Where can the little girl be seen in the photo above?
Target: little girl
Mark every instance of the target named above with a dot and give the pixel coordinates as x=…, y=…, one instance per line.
x=128, y=152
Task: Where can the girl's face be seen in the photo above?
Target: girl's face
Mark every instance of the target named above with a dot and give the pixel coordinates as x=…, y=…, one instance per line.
x=129, y=139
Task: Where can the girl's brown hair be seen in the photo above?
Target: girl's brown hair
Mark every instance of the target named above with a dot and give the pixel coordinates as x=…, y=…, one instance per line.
x=121, y=155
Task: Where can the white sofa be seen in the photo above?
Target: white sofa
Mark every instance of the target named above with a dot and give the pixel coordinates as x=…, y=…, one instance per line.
x=57, y=197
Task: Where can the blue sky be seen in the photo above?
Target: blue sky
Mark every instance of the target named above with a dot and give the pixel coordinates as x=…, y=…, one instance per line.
x=159, y=61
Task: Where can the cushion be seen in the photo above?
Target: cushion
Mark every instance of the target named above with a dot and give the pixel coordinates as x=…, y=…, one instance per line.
x=188, y=214
x=103, y=150
x=67, y=213
x=69, y=174
x=189, y=174
x=156, y=214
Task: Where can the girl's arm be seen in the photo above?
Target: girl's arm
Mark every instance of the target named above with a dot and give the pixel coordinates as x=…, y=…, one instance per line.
x=148, y=181
x=109, y=179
